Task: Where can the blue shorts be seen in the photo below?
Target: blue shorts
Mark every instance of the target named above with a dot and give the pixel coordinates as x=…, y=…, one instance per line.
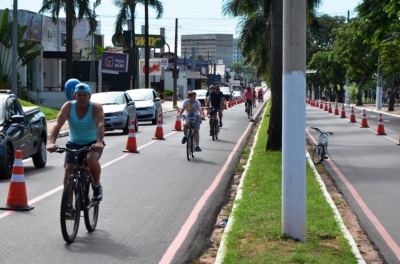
x=196, y=123
x=69, y=157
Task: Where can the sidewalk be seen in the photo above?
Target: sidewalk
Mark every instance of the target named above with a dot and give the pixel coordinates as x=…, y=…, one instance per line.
x=166, y=106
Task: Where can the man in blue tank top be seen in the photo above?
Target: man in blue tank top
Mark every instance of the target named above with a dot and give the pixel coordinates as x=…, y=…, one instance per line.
x=86, y=124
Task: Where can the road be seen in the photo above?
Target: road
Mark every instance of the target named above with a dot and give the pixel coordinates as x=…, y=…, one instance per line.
x=157, y=207
x=365, y=168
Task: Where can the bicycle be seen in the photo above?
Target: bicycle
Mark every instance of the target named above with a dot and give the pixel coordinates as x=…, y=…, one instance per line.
x=320, y=151
x=260, y=98
x=249, y=109
x=78, y=196
x=190, y=145
x=214, y=123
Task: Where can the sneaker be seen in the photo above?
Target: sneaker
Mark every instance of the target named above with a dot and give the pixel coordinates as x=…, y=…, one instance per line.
x=184, y=140
x=220, y=123
x=197, y=148
x=97, y=192
x=70, y=213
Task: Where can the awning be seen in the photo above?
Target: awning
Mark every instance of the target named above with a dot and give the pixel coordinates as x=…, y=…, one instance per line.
x=54, y=54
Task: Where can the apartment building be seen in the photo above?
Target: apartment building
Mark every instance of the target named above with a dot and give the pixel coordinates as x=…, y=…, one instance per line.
x=237, y=53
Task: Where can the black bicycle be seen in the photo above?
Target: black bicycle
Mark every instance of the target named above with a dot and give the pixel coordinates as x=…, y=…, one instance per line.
x=214, y=123
x=249, y=109
x=190, y=144
x=78, y=196
x=320, y=151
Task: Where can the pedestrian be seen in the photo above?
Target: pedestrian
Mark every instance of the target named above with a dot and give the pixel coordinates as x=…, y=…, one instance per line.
x=369, y=96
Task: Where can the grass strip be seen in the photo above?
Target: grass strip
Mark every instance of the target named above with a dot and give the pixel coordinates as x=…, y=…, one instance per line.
x=256, y=232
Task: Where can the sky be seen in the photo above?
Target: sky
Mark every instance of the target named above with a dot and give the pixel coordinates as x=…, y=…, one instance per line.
x=194, y=17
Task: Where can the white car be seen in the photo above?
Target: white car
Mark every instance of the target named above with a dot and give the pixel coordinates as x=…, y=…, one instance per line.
x=236, y=95
x=148, y=104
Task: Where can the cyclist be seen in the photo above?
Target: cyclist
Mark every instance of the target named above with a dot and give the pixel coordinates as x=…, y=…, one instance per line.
x=193, y=109
x=260, y=95
x=209, y=90
x=217, y=100
x=86, y=124
x=248, y=96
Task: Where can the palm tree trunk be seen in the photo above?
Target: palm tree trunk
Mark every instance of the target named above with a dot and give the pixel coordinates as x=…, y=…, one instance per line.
x=275, y=125
x=146, y=41
x=68, y=48
x=132, y=7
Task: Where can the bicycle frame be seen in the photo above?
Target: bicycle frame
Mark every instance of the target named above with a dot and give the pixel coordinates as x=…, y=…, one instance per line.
x=190, y=137
x=320, y=151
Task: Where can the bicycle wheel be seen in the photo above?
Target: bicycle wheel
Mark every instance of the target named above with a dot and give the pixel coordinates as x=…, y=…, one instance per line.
x=318, y=154
x=70, y=211
x=91, y=212
x=214, y=129
x=188, y=146
x=248, y=111
x=192, y=150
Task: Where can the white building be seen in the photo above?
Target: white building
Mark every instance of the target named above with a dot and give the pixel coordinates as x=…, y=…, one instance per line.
x=237, y=53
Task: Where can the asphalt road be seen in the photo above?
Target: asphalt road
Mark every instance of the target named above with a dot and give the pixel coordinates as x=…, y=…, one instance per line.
x=157, y=207
x=365, y=168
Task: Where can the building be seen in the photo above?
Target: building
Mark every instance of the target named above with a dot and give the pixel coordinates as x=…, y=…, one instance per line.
x=237, y=53
x=217, y=48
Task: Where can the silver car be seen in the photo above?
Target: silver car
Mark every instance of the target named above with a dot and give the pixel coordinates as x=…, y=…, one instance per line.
x=119, y=110
x=148, y=104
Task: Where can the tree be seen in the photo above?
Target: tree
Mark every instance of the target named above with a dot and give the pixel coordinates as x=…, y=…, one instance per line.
x=75, y=10
x=25, y=50
x=237, y=67
x=127, y=12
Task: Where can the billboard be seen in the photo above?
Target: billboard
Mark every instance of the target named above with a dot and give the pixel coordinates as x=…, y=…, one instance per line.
x=114, y=62
x=154, y=67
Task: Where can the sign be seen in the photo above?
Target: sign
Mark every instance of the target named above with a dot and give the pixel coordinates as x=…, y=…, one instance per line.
x=188, y=62
x=114, y=62
x=236, y=83
x=193, y=74
x=217, y=79
x=155, y=41
x=154, y=67
x=168, y=55
x=164, y=63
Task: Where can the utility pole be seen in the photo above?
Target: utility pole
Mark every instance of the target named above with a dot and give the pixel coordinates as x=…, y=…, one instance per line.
x=14, y=50
x=346, y=95
x=379, y=85
x=293, y=120
x=146, y=43
x=174, y=97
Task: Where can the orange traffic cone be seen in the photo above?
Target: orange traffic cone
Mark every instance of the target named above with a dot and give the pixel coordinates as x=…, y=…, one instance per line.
x=352, y=116
x=381, y=129
x=364, y=121
x=178, y=124
x=131, y=142
x=326, y=106
x=343, y=113
x=316, y=103
x=336, y=109
x=330, y=108
x=17, y=199
x=321, y=105
x=159, y=130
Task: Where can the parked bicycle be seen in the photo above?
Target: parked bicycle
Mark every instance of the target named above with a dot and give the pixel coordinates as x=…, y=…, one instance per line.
x=78, y=196
x=321, y=148
x=214, y=123
x=190, y=144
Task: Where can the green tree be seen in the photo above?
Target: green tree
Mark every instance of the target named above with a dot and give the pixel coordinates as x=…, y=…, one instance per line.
x=237, y=67
x=126, y=15
x=75, y=10
x=25, y=51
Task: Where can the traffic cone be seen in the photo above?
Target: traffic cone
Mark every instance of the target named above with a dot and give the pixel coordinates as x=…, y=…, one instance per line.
x=343, y=113
x=364, y=121
x=178, y=124
x=321, y=105
x=316, y=103
x=352, y=116
x=326, y=106
x=131, y=142
x=159, y=130
x=336, y=109
x=381, y=129
x=330, y=108
x=17, y=199
x=398, y=141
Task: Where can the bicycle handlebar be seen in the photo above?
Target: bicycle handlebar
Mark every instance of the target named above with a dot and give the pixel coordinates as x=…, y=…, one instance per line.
x=317, y=129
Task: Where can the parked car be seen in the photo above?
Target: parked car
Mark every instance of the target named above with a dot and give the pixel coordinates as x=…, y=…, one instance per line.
x=119, y=109
x=21, y=128
x=148, y=104
x=236, y=95
x=201, y=96
x=227, y=92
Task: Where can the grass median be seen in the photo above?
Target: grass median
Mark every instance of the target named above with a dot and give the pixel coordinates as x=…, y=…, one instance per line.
x=256, y=231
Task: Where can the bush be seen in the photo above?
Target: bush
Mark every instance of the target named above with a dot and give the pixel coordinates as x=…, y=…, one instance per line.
x=168, y=93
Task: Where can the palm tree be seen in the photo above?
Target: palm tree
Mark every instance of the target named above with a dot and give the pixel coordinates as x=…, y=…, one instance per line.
x=261, y=43
x=127, y=11
x=75, y=10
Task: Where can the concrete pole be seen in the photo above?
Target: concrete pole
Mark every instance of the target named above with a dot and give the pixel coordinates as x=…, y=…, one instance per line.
x=193, y=68
x=294, y=116
x=378, y=102
x=14, y=49
x=174, y=97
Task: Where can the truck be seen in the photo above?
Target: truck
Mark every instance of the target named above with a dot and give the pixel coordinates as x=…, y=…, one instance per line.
x=21, y=128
